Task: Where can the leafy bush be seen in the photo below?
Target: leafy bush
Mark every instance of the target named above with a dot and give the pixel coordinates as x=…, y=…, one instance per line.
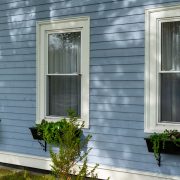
x=67, y=134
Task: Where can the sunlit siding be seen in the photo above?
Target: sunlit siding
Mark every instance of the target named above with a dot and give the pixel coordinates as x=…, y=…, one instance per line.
x=116, y=78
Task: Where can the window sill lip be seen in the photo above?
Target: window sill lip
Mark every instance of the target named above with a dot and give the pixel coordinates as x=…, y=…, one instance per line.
x=58, y=118
x=168, y=123
x=159, y=128
x=168, y=72
x=68, y=74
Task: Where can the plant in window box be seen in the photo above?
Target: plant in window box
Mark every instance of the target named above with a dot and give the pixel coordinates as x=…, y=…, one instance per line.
x=167, y=142
x=53, y=132
x=67, y=134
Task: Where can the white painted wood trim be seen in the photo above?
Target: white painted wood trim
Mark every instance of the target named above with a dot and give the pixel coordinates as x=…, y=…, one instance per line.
x=162, y=8
x=103, y=171
x=153, y=18
x=25, y=160
x=146, y=73
x=61, y=25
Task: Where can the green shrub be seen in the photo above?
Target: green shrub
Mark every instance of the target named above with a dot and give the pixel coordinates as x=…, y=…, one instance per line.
x=67, y=134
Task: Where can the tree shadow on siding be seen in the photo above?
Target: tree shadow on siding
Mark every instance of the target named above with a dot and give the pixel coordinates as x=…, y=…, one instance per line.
x=116, y=78
x=18, y=78
x=117, y=88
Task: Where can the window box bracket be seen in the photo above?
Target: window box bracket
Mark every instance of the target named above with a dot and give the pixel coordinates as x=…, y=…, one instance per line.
x=37, y=136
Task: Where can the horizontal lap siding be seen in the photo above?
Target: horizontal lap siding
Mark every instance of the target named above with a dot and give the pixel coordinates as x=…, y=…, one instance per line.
x=116, y=78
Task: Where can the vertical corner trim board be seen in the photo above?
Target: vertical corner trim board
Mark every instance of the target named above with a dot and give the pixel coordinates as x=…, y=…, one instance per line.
x=103, y=171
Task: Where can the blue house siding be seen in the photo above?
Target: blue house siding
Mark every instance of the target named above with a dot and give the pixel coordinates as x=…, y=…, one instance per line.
x=116, y=78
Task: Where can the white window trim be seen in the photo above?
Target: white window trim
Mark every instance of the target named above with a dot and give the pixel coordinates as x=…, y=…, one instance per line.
x=70, y=24
x=153, y=18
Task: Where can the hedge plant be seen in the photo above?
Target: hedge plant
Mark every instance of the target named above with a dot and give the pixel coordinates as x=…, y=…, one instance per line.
x=67, y=134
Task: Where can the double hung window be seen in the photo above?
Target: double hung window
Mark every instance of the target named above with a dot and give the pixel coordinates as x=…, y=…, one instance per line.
x=63, y=68
x=162, y=70
x=63, y=77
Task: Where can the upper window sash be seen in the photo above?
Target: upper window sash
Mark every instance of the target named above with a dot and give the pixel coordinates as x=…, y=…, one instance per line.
x=48, y=33
x=159, y=41
x=47, y=55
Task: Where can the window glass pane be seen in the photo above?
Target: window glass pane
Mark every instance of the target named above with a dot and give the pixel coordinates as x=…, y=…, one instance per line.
x=64, y=52
x=64, y=94
x=170, y=45
x=170, y=97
